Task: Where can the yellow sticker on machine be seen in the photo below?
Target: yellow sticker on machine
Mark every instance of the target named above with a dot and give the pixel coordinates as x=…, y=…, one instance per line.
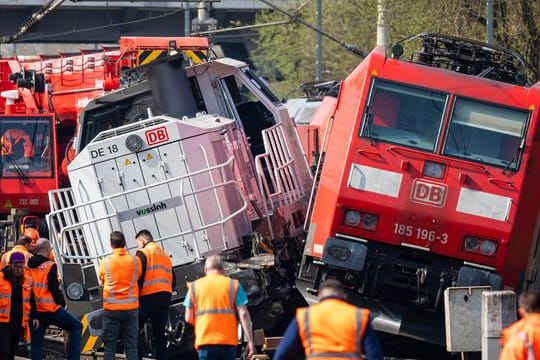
x=8, y=204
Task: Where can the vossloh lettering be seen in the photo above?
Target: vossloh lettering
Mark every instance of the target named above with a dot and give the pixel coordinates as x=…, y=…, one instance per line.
x=151, y=209
x=163, y=205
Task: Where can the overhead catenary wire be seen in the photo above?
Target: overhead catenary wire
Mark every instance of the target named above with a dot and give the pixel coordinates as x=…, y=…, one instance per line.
x=101, y=27
x=295, y=18
x=247, y=27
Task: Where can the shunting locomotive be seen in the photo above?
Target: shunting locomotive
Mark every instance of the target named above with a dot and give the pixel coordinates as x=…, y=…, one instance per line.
x=204, y=156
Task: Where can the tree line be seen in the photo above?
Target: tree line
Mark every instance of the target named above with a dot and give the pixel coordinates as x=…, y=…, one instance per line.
x=285, y=54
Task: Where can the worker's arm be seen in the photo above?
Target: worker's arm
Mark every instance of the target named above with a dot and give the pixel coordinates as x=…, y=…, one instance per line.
x=370, y=344
x=142, y=259
x=290, y=346
x=173, y=281
x=241, y=302
x=189, y=315
x=101, y=273
x=54, y=286
x=245, y=320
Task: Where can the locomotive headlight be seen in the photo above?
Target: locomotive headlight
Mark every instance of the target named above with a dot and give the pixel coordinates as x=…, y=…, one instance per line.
x=470, y=243
x=352, y=217
x=479, y=245
x=434, y=170
x=488, y=247
x=74, y=291
x=134, y=143
x=369, y=221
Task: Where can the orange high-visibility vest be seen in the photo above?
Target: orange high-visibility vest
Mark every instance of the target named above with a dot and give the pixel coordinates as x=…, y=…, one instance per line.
x=158, y=275
x=521, y=340
x=17, y=248
x=5, y=299
x=44, y=299
x=118, y=274
x=332, y=329
x=213, y=299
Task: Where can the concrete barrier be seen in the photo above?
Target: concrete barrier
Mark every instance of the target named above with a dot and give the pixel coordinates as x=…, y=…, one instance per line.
x=498, y=311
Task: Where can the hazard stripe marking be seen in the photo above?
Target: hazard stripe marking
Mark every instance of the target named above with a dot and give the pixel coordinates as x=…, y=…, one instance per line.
x=147, y=56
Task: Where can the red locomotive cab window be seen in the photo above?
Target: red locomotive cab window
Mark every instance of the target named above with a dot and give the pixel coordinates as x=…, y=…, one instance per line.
x=486, y=133
x=26, y=147
x=404, y=115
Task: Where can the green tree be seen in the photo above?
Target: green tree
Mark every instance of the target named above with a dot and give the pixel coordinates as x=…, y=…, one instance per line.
x=288, y=51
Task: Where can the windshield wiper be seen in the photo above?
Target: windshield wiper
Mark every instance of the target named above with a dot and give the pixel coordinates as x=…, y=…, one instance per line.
x=518, y=152
x=20, y=173
x=369, y=122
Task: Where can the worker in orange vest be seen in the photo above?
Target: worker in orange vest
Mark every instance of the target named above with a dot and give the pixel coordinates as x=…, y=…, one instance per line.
x=50, y=303
x=119, y=273
x=521, y=340
x=212, y=303
x=15, y=307
x=330, y=329
x=155, y=289
x=14, y=136
x=22, y=245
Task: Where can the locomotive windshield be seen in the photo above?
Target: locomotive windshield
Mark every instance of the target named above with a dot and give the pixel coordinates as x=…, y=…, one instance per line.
x=26, y=147
x=404, y=115
x=486, y=133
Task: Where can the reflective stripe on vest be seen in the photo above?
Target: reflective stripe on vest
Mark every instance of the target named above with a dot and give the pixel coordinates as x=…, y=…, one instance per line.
x=5, y=299
x=44, y=299
x=332, y=328
x=111, y=299
x=158, y=274
x=216, y=311
x=213, y=300
x=354, y=355
x=530, y=349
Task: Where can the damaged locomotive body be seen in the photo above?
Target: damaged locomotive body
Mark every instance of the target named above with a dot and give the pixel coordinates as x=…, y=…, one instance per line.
x=428, y=168
x=208, y=160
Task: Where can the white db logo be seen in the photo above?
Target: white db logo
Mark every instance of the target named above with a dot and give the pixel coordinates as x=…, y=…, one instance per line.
x=429, y=193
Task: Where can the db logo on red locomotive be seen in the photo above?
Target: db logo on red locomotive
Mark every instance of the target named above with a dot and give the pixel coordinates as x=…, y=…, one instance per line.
x=429, y=193
x=156, y=136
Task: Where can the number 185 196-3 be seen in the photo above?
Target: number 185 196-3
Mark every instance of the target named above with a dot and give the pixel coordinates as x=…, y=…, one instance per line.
x=420, y=233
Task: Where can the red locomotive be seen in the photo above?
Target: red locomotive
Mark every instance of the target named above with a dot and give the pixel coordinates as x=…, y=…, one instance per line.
x=429, y=181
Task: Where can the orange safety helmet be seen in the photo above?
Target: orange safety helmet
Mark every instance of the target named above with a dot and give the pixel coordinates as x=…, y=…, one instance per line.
x=32, y=234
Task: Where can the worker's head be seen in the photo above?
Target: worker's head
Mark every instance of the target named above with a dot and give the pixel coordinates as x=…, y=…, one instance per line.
x=16, y=262
x=213, y=264
x=529, y=302
x=332, y=288
x=143, y=237
x=32, y=233
x=118, y=240
x=25, y=241
x=43, y=247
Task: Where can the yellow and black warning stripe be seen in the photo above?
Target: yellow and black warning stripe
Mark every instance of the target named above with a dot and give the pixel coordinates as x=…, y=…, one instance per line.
x=197, y=56
x=88, y=341
x=147, y=56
